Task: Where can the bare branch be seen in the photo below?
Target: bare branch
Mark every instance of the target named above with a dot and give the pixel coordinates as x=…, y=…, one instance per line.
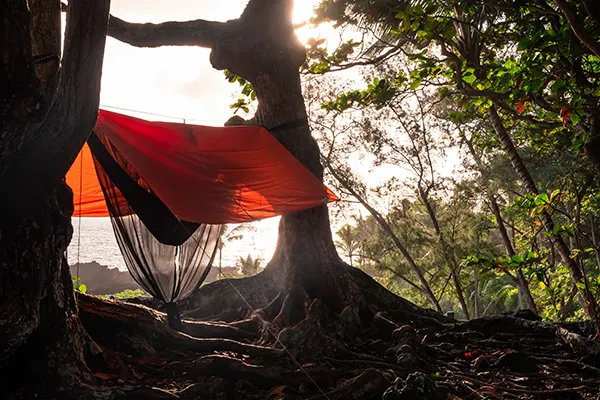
x=175, y=33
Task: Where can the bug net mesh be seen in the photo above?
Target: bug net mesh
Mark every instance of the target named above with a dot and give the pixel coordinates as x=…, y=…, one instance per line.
x=167, y=257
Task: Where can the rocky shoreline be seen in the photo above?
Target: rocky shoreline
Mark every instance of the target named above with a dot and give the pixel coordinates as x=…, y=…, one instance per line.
x=101, y=279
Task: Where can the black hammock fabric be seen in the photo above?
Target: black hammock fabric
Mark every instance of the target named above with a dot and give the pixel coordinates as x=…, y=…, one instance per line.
x=172, y=268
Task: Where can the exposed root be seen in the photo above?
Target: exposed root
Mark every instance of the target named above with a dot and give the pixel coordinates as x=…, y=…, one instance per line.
x=216, y=330
x=366, y=385
x=262, y=376
x=223, y=296
x=134, y=329
x=377, y=345
x=579, y=344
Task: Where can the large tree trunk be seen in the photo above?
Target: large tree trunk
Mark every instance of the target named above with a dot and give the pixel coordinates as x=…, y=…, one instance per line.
x=44, y=122
x=305, y=255
x=46, y=340
x=586, y=297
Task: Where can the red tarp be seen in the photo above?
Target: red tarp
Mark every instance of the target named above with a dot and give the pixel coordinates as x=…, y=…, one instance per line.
x=211, y=175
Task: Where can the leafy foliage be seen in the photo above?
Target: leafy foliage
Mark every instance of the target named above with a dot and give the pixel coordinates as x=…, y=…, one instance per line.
x=249, y=266
x=452, y=62
x=80, y=287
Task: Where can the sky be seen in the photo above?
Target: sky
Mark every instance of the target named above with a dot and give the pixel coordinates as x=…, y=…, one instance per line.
x=175, y=82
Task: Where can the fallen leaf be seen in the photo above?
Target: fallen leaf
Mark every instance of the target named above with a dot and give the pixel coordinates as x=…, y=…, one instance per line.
x=136, y=374
x=277, y=390
x=102, y=375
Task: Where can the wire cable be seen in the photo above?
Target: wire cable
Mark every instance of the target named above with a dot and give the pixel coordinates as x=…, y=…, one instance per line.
x=79, y=221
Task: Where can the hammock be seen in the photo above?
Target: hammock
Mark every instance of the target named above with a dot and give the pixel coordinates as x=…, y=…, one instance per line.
x=168, y=188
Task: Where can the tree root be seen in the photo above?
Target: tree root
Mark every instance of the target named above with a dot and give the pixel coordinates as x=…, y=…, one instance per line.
x=579, y=344
x=223, y=296
x=541, y=393
x=134, y=329
x=261, y=376
x=201, y=329
x=370, y=384
x=377, y=343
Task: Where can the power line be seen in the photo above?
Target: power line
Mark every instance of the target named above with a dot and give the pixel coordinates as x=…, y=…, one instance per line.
x=160, y=115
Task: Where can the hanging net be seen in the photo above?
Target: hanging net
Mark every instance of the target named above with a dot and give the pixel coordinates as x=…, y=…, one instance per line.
x=167, y=257
x=169, y=187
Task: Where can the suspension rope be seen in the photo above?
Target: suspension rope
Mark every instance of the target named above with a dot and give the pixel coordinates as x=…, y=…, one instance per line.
x=79, y=221
x=113, y=282
x=158, y=115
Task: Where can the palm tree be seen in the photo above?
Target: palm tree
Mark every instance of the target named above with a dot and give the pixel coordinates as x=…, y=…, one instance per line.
x=249, y=266
x=349, y=241
x=232, y=233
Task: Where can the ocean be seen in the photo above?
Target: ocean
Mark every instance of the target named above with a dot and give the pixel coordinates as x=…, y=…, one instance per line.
x=94, y=240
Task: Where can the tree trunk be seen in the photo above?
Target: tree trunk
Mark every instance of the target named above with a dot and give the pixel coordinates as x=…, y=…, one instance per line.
x=476, y=293
x=37, y=307
x=592, y=147
x=44, y=122
x=519, y=280
x=447, y=252
x=586, y=298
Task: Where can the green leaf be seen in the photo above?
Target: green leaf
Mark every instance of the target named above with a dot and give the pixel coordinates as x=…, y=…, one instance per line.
x=415, y=84
x=542, y=199
x=523, y=43
x=557, y=85
x=556, y=229
x=469, y=78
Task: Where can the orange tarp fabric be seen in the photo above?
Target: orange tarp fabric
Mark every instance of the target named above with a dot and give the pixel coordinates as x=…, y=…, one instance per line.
x=87, y=193
x=211, y=175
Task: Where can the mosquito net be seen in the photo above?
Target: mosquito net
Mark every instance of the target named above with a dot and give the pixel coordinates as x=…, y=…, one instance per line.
x=167, y=257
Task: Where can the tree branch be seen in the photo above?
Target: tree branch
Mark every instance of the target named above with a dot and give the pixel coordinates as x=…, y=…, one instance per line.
x=577, y=26
x=176, y=33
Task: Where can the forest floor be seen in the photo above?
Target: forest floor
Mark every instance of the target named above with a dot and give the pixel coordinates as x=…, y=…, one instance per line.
x=329, y=356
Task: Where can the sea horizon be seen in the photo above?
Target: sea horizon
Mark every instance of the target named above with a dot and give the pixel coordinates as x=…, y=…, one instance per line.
x=94, y=240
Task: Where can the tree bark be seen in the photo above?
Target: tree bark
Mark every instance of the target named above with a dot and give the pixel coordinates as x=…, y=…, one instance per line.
x=586, y=298
x=447, y=252
x=578, y=27
x=519, y=280
x=592, y=147
x=43, y=125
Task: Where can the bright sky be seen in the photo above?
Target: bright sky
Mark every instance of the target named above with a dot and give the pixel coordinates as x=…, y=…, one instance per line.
x=174, y=81
x=179, y=81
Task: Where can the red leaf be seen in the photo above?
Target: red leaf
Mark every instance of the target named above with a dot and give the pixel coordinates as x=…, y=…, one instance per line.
x=520, y=107
x=277, y=390
x=103, y=376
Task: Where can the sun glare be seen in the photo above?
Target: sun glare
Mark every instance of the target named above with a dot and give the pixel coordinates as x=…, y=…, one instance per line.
x=303, y=10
